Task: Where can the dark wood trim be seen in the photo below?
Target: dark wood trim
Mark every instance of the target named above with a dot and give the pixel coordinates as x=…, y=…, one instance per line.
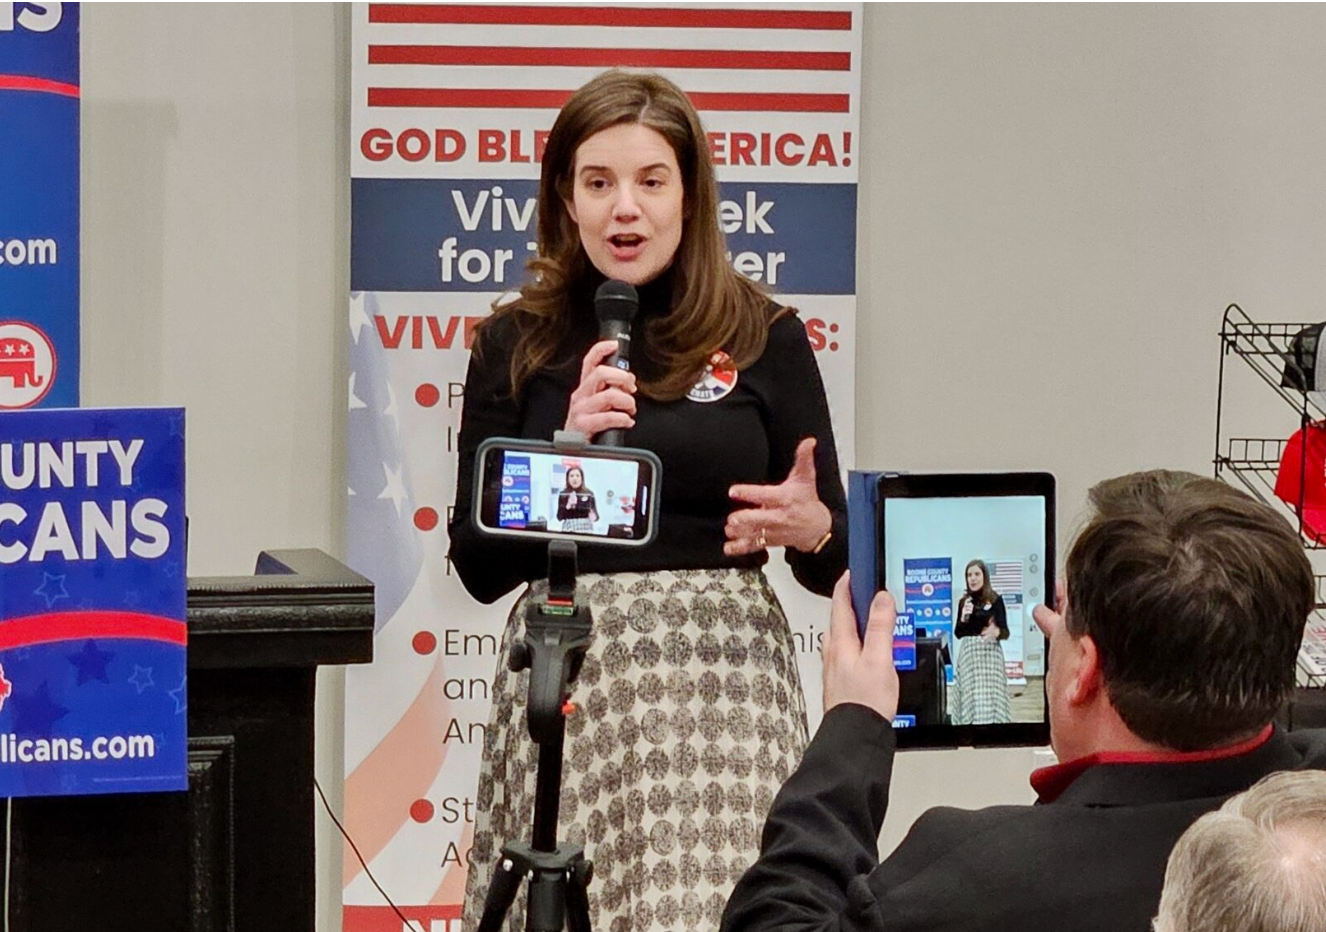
x=212, y=834
x=301, y=609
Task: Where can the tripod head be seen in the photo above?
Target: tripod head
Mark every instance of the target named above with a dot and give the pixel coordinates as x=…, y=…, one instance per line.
x=557, y=632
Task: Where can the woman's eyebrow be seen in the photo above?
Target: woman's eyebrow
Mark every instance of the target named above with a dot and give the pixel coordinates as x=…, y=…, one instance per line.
x=606, y=170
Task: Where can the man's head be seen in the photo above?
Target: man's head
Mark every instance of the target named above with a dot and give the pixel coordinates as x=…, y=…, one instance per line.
x=1186, y=603
x=1256, y=865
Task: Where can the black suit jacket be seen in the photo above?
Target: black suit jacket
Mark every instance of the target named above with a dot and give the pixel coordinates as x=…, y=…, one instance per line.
x=1093, y=859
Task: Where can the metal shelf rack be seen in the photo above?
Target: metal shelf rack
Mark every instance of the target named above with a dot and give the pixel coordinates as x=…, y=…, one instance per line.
x=1253, y=463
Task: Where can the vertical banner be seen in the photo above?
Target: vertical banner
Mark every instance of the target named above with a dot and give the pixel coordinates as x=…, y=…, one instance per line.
x=92, y=602
x=39, y=102
x=928, y=597
x=451, y=107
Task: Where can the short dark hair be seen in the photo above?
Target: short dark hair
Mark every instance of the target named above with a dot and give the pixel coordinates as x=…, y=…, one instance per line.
x=1196, y=596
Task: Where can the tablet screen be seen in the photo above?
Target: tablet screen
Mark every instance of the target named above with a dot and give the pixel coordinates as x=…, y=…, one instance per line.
x=967, y=558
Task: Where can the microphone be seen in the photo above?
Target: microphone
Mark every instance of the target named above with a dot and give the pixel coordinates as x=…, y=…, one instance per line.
x=615, y=305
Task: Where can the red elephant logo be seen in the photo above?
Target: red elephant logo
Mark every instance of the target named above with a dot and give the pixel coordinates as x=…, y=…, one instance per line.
x=27, y=364
x=18, y=362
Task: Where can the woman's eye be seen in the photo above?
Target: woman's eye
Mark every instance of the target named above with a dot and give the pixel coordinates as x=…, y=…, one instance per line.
x=598, y=184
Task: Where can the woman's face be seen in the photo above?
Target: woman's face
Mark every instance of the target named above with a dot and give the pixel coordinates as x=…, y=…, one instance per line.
x=975, y=579
x=627, y=201
x=575, y=479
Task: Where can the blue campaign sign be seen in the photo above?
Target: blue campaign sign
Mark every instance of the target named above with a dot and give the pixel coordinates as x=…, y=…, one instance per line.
x=458, y=235
x=928, y=596
x=904, y=642
x=928, y=590
x=514, y=502
x=92, y=602
x=39, y=110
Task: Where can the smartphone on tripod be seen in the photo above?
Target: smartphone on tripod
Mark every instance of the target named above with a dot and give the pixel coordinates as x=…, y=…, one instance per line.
x=570, y=494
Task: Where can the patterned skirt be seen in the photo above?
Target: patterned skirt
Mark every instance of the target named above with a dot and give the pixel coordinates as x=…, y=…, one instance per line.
x=980, y=684
x=690, y=718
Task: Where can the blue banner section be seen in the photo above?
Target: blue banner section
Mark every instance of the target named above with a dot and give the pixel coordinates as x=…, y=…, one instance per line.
x=928, y=592
x=39, y=110
x=904, y=642
x=40, y=40
x=92, y=602
x=928, y=596
x=453, y=235
x=516, y=498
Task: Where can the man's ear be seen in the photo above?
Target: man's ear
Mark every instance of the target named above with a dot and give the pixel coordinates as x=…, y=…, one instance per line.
x=1085, y=682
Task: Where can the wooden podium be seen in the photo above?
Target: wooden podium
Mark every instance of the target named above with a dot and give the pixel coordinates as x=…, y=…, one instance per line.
x=236, y=851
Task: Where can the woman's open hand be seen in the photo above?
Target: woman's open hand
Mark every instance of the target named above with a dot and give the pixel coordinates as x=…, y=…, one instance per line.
x=789, y=514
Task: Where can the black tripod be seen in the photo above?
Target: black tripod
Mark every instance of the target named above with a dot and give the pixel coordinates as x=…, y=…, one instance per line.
x=556, y=635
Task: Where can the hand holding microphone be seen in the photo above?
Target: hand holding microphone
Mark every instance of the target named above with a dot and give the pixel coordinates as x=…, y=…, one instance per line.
x=602, y=406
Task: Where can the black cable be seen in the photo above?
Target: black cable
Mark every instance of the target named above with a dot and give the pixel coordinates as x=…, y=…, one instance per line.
x=409, y=923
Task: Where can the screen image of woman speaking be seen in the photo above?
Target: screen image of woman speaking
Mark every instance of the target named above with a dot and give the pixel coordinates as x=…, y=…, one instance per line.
x=690, y=706
x=576, y=508
x=980, y=682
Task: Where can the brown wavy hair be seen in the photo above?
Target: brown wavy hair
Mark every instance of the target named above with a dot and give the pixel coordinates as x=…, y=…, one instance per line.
x=987, y=593
x=713, y=306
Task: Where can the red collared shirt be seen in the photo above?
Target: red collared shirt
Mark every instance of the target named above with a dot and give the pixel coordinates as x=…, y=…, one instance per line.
x=1050, y=782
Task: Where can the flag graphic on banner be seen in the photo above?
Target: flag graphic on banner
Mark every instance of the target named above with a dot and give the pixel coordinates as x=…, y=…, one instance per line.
x=803, y=63
x=1006, y=579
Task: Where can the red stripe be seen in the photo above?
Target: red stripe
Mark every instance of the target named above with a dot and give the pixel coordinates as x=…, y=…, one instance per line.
x=68, y=626
x=553, y=100
x=1051, y=782
x=675, y=17
x=385, y=919
x=15, y=82
x=606, y=58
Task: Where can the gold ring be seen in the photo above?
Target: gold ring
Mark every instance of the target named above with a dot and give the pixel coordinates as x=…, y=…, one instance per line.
x=760, y=540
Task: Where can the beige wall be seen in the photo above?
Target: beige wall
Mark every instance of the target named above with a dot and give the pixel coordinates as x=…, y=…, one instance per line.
x=215, y=219
x=1056, y=204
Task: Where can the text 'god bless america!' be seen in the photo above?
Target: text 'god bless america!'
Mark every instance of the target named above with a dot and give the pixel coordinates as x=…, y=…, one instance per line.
x=70, y=525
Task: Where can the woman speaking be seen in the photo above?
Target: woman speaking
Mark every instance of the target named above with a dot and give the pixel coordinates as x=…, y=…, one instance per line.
x=576, y=509
x=980, y=683
x=691, y=707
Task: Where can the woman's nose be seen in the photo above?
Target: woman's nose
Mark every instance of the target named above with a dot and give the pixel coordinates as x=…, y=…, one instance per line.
x=627, y=207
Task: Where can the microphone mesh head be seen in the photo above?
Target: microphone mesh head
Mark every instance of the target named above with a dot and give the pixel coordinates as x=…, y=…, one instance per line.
x=616, y=301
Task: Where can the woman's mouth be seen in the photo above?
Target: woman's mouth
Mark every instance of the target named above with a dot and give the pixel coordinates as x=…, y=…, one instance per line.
x=626, y=246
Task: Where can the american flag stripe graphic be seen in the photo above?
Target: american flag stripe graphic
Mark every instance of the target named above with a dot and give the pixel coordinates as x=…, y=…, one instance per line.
x=552, y=100
x=473, y=55
x=642, y=16
x=462, y=57
x=1006, y=576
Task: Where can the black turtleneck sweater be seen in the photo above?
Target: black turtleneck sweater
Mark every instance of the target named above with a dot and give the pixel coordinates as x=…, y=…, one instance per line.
x=748, y=436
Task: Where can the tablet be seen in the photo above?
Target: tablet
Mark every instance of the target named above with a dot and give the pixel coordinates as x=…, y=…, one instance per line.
x=967, y=557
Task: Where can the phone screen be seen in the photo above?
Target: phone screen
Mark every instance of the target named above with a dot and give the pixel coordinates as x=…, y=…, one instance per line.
x=549, y=493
